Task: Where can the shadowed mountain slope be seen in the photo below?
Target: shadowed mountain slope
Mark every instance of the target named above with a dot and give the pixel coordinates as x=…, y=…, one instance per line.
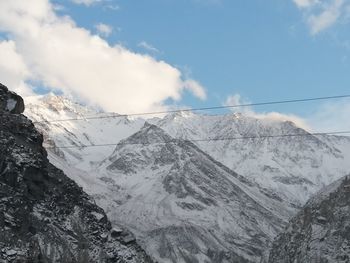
x=44, y=215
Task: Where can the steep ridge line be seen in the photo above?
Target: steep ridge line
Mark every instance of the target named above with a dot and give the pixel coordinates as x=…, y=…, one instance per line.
x=116, y=115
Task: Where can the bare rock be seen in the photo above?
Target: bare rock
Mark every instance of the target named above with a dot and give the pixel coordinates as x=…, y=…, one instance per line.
x=10, y=101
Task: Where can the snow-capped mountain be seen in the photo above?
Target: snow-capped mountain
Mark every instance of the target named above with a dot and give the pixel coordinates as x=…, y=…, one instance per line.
x=292, y=167
x=276, y=175
x=185, y=206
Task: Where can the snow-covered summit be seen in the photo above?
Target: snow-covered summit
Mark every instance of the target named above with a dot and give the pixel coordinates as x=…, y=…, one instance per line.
x=59, y=106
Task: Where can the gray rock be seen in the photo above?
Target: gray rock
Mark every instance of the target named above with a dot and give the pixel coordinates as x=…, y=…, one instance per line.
x=10, y=101
x=44, y=214
x=116, y=232
x=320, y=232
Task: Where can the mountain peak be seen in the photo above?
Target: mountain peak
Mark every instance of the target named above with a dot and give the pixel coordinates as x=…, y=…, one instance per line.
x=58, y=104
x=179, y=115
x=149, y=134
x=184, y=184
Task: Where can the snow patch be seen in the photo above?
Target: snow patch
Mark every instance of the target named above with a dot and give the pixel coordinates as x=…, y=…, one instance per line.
x=11, y=104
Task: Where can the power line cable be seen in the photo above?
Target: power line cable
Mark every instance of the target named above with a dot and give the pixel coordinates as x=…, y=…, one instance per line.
x=114, y=115
x=205, y=140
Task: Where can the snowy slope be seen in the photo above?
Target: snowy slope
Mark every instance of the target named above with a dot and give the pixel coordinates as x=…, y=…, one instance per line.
x=292, y=167
x=185, y=206
x=278, y=175
x=180, y=203
x=77, y=133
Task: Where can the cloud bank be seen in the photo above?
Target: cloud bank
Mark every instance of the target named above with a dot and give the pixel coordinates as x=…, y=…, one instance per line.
x=13, y=70
x=54, y=51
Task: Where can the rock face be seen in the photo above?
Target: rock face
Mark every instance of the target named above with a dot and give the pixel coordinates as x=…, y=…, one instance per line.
x=45, y=216
x=320, y=232
x=10, y=101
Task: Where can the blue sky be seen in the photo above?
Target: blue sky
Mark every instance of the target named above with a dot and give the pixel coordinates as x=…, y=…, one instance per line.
x=260, y=49
x=135, y=56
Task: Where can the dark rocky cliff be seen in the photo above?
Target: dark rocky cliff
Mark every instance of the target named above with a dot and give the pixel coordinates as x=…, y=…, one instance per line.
x=320, y=233
x=45, y=216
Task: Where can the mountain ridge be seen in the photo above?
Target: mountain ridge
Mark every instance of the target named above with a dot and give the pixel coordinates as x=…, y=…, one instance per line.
x=286, y=171
x=188, y=181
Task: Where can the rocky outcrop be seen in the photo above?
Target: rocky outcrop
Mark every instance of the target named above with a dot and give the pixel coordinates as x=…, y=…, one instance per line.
x=10, y=101
x=45, y=216
x=320, y=232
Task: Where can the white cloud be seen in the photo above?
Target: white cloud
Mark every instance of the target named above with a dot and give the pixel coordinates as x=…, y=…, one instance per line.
x=328, y=117
x=322, y=14
x=196, y=89
x=104, y=29
x=327, y=18
x=148, y=47
x=85, y=2
x=13, y=71
x=65, y=57
x=236, y=99
x=112, y=7
x=276, y=116
x=305, y=3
